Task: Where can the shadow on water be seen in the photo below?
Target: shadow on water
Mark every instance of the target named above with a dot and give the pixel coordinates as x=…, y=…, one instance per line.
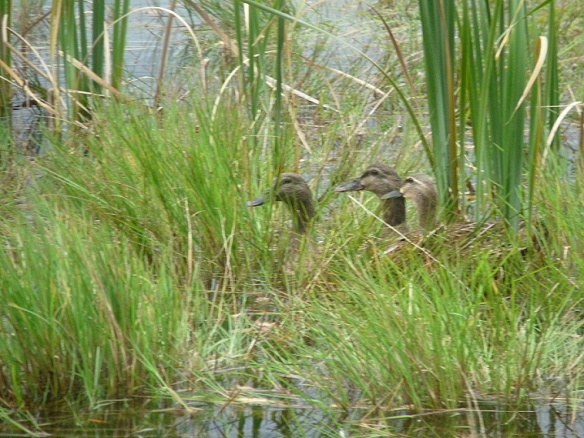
x=541, y=420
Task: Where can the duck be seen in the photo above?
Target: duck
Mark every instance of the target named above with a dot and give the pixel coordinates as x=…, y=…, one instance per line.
x=381, y=179
x=293, y=191
x=422, y=191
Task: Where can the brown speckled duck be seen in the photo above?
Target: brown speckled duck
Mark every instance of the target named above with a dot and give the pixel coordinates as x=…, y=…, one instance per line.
x=421, y=190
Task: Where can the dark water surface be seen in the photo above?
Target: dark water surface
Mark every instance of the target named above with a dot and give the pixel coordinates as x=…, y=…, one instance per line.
x=541, y=420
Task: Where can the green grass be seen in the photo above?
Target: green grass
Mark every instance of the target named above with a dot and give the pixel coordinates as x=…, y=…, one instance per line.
x=132, y=266
x=138, y=262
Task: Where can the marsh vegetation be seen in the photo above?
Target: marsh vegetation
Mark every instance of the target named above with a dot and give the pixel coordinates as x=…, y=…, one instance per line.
x=131, y=265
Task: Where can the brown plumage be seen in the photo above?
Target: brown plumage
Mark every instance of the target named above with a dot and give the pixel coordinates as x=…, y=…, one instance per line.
x=381, y=179
x=421, y=190
x=292, y=190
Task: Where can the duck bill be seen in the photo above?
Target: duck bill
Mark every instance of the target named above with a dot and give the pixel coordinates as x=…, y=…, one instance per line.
x=350, y=186
x=392, y=195
x=260, y=200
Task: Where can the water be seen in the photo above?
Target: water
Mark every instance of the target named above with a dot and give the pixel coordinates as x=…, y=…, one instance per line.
x=296, y=419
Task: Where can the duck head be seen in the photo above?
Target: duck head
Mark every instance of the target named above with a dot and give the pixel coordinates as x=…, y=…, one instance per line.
x=421, y=190
x=292, y=190
x=377, y=178
x=381, y=179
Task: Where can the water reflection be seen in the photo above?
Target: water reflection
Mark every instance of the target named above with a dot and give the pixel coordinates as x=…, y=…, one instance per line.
x=543, y=420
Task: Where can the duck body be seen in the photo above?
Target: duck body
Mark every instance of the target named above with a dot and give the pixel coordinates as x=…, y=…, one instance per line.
x=421, y=190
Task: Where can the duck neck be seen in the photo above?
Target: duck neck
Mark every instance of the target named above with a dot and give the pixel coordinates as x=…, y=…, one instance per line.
x=426, y=212
x=394, y=212
x=302, y=214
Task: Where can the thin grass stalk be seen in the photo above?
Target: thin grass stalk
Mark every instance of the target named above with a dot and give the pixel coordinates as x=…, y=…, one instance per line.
x=83, y=46
x=69, y=45
x=259, y=40
x=239, y=37
x=256, y=61
x=277, y=109
x=83, y=84
x=551, y=101
x=581, y=142
x=447, y=21
x=55, y=98
x=163, y=57
x=466, y=97
x=5, y=56
x=120, y=30
x=98, y=46
x=247, y=31
x=511, y=149
x=536, y=139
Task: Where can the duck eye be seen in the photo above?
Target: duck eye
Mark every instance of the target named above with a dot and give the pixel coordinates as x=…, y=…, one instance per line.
x=409, y=180
x=374, y=172
x=286, y=181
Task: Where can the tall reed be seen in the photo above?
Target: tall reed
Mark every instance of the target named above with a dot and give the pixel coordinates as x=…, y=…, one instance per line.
x=120, y=30
x=82, y=47
x=261, y=73
x=75, y=69
x=480, y=87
